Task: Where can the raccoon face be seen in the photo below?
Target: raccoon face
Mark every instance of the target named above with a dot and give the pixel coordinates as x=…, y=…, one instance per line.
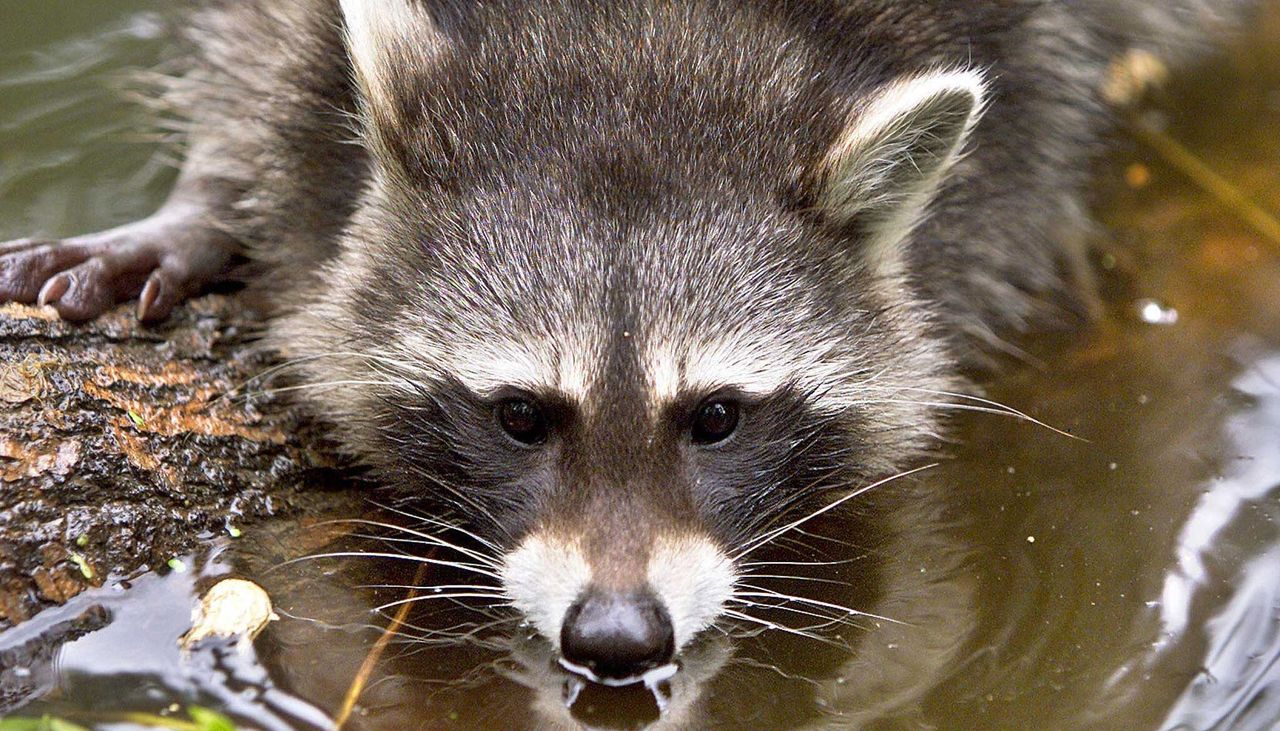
x=626, y=371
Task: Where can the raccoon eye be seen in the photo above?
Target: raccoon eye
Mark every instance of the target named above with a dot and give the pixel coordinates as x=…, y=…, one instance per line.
x=714, y=421
x=522, y=420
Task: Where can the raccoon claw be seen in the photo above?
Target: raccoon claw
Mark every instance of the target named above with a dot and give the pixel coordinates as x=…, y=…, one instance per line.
x=53, y=290
x=159, y=296
x=86, y=276
x=92, y=285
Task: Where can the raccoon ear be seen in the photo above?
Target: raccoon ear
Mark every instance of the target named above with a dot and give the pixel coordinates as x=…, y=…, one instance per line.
x=385, y=37
x=887, y=164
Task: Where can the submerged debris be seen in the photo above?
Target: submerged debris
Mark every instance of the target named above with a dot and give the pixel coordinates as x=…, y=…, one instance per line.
x=1132, y=75
x=234, y=609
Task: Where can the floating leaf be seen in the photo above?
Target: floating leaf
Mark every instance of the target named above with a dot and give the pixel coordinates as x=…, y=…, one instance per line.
x=80, y=561
x=208, y=720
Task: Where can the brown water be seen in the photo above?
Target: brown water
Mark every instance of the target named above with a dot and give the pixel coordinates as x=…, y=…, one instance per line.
x=1130, y=581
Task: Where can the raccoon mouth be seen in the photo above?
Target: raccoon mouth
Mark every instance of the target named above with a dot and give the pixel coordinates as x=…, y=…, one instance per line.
x=651, y=678
x=643, y=700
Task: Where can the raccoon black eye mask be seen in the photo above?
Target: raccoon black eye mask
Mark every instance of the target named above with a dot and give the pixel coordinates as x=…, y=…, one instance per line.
x=631, y=287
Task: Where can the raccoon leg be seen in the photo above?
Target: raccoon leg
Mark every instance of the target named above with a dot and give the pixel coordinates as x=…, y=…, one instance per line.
x=269, y=175
x=161, y=260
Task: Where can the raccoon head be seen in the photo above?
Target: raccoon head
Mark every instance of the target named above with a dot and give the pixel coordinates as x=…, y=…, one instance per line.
x=630, y=321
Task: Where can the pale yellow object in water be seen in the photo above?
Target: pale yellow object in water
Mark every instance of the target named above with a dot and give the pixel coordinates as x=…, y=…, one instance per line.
x=232, y=609
x=1132, y=75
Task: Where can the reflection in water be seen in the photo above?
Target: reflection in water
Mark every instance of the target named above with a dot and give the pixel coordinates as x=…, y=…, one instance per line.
x=1239, y=511
x=1034, y=581
x=501, y=676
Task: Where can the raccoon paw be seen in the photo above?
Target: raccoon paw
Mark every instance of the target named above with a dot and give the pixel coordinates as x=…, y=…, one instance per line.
x=85, y=276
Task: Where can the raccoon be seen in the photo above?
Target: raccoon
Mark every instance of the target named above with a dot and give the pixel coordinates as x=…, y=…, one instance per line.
x=632, y=286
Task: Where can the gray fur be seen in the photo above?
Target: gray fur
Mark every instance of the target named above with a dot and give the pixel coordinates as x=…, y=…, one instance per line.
x=585, y=181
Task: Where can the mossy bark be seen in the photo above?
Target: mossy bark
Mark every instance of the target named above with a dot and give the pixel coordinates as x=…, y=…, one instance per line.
x=123, y=445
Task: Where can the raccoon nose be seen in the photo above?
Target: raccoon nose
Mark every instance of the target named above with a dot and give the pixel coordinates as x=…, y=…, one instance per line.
x=615, y=638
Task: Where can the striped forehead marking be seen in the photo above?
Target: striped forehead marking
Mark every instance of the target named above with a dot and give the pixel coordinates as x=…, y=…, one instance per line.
x=575, y=366
x=672, y=371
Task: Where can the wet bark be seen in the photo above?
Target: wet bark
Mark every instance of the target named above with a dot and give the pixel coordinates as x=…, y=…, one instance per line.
x=122, y=446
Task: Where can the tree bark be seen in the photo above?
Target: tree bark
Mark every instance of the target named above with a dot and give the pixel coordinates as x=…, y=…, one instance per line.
x=122, y=445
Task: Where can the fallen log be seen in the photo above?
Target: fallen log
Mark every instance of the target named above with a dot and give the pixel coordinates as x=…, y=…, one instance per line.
x=123, y=445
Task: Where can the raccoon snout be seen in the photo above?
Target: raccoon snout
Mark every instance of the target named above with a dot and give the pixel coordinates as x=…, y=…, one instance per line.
x=616, y=638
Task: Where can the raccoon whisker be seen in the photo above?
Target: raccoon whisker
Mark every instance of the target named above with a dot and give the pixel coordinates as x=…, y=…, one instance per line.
x=742, y=632
x=953, y=394
x=291, y=363
x=440, y=523
x=761, y=592
x=432, y=589
x=448, y=606
x=466, y=503
x=829, y=617
x=485, y=611
x=1000, y=407
x=431, y=597
x=827, y=622
x=415, y=644
x=794, y=543
x=426, y=538
x=397, y=556
x=404, y=636
x=742, y=616
x=317, y=385
x=430, y=541
x=770, y=516
x=447, y=636
x=801, y=563
x=458, y=630
x=758, y=665
x=766, y=514
x=1000, y=412
x=341, y=627
x=775, y=533
x=792, y=577
x=833, y=539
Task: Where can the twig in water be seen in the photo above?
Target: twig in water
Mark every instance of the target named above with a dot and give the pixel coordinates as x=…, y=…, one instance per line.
x=1207, y=179
x=371, y=660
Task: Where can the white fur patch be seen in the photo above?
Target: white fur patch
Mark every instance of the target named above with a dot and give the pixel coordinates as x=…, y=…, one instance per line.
x=722, y=364
x=754, y=367
x=694, y=579
x=896, y=152
x=485, y=366
x=546, y=574
x=379, y=34
x=543, y=577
